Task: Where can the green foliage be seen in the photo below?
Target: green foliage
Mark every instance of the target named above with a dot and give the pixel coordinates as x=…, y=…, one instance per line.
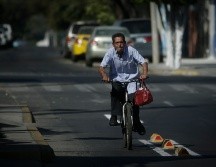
x=100, y=11
x=177, y=2
x=140, y=1
x=34, y=16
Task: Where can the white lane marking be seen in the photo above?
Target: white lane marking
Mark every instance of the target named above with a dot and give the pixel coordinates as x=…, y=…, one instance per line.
x=52, y=88
x=82, y=88
x=156, y=149
x=169, y=103
x=192, y=153
x=85, y=87
x=180, y=87
x=100, y=101
x=159, y=150
x=208, y=86
x=19, y=88
x=154, y=88
x=108, y=117
x=89, y=87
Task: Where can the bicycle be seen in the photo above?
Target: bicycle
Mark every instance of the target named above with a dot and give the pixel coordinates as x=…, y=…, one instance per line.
x=126, y=120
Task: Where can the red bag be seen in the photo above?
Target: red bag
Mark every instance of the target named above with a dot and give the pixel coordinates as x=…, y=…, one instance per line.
x=143, y=95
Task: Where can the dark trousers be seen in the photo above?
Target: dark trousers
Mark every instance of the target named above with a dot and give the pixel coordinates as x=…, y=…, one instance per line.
x=118, y=99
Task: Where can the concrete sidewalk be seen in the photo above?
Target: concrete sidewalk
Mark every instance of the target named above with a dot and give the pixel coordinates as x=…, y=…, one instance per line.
x=20, y=141
x=189, y=67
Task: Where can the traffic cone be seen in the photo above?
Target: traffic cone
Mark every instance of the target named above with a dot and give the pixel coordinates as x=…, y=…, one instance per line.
x=168, y=145
x=156, y=138
x=181, y=151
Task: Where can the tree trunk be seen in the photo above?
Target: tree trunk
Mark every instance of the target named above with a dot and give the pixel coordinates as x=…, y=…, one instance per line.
x=192, y=31
x=173, y=18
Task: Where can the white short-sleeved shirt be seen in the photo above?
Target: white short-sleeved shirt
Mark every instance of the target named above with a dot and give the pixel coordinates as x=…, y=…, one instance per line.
x=124, y=68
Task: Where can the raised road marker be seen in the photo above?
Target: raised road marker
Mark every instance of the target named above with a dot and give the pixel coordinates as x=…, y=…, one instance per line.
x=156, y=138
x=168, y=145
x=181, y=151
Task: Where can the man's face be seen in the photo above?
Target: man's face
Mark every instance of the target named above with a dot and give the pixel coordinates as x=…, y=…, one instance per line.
x=118, y=44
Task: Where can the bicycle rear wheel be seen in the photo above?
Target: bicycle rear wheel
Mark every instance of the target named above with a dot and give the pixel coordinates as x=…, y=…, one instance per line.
x=128, y=126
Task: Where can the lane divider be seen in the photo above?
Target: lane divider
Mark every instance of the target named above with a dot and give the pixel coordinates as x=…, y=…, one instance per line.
x=192, y=153
x=159, y=150
x=156, y=139
x=160, y=145
x=168, y=145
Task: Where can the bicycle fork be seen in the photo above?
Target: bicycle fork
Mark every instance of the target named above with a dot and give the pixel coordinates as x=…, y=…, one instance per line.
x=124, y=110
x=124, y=114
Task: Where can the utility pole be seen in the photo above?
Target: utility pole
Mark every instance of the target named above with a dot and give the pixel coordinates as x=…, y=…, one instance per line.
x=155, y=45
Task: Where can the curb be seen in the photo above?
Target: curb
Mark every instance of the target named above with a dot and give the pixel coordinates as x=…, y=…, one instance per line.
x=177, y=72
x=46, y=152
x=41, y=151
x=185, y=72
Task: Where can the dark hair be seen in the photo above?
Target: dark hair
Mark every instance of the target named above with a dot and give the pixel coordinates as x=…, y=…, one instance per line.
x=118, y=34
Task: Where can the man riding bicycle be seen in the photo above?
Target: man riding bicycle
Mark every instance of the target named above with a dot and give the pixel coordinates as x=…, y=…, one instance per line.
x=123, y=62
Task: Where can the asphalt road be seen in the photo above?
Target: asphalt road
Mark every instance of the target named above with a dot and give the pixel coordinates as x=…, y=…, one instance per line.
x=71, y=108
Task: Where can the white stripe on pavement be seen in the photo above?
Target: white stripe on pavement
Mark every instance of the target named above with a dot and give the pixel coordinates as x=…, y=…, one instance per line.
x=19, y=88
x=82, y=88
x=108, y=117
x=185, y=88
x=192, y=153
x=160, y=150
x=156, y=149
x=52, y=88
x=169, y=103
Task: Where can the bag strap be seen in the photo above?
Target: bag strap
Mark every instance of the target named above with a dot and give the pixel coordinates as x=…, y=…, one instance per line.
x=142, y=83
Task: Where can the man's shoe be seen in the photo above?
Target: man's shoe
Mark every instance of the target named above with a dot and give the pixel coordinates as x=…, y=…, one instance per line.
x=139, y=128
x=113, y=121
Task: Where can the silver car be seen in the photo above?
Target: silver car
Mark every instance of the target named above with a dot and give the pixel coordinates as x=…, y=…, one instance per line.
x=140, y=31
x=100, y=41
x=72, y=33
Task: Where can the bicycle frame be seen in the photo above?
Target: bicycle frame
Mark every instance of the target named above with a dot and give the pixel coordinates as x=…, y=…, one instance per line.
x=126, y=120
x=123, y=107
x=126, y=96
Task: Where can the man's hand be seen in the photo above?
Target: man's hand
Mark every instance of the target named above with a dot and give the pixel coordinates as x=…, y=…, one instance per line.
x=143, y=76
x=103, y=74
x=105, y=78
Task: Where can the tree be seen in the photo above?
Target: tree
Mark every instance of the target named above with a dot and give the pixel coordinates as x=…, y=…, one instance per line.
x=185, y=24
x=100, y=11
x=173, y=17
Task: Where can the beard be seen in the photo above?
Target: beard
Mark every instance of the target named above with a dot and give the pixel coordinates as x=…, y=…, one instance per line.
x=120, y=50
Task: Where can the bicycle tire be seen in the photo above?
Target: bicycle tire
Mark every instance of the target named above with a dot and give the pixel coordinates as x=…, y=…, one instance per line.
x=124, y=137
x=128, y=124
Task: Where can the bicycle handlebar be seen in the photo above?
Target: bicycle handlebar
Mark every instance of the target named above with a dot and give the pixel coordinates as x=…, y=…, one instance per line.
x=133, y=80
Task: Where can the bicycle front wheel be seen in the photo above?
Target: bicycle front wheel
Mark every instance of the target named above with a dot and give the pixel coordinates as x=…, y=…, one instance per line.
x=128, y=125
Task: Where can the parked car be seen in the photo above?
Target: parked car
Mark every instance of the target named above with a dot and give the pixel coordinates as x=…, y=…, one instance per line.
x=18, y=43
x=6, y=35
x=80, y=43
x=100, y=41
x=72, y=33
x=140, y=31
x=3, y=39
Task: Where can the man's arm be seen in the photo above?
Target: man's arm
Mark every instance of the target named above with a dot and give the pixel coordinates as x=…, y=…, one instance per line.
x=144, y=73
x=103, y=74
